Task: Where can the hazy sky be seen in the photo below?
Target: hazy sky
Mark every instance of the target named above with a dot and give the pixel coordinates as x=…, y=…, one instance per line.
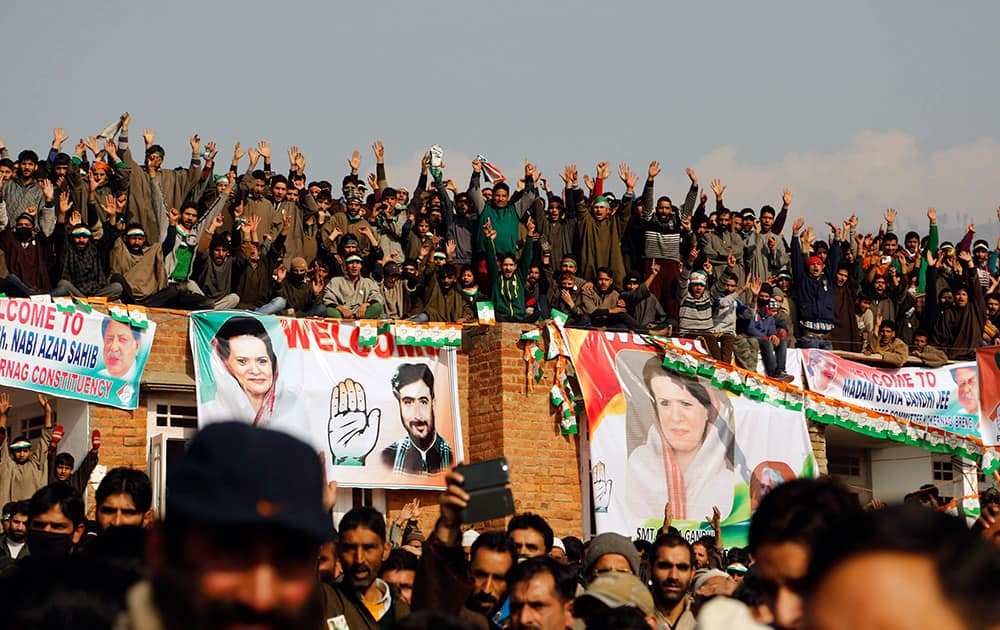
x=855, y=106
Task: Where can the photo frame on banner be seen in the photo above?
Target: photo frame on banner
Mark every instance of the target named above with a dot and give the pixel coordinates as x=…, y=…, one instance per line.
x=66, y=348
x=659, y=436
x=384, y=415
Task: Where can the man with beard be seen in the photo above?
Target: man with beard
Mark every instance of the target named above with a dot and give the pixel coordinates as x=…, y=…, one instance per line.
x=664, y=235
x=173, y=186
x=12, y=543
x=26, y=468
x=672, y=572
x=83, y=268
x=423, y=450
x=600, y=229
x=444, y=582
x=362, y=600
x=238, y=546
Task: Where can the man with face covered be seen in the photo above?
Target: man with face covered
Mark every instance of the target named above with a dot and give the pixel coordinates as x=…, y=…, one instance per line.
x=25, y=468
x=174, y=186
x=423, y=450
x=28, y=254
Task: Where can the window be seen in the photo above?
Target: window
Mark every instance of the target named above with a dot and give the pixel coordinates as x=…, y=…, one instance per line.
x=941, y=469
x=176, y=416
x=33, y=426
x=844, y=466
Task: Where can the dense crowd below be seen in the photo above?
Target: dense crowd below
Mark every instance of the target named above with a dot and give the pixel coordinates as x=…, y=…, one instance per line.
x=255, y=546
x=100, y=223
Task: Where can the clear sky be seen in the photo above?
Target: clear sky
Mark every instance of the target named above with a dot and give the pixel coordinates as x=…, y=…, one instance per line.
x=856, y=106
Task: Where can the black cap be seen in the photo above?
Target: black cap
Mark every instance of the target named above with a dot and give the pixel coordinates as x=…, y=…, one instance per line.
x=390, y=269
x=222, y=481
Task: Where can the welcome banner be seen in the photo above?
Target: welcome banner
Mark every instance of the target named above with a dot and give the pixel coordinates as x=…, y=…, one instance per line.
x=658, y=436
x=382, y=414
x=72, y=352
x=946, y=398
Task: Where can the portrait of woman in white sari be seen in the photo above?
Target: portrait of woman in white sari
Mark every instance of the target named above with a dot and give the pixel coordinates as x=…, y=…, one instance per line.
x=681, y=441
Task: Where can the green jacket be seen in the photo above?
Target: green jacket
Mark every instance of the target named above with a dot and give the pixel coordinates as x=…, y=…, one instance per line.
x=508, y=294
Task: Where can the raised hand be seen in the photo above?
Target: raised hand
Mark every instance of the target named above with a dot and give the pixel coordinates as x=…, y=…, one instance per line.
x=786, y=198
x=76, y=218
x=754, y=285
x=353, y=429
x=603, y=170
x=254, y=156
x=173, y=215
x=148, y=136
x=48, y=189
x=46, y=405
x=715, y=519
x=372, y=181
x=195, y=144
x=91, y=143
x=4, y=403
x=890, y=215
x=692, y=176
x=932, y=215
x=589, y=183
x=292, y=152
x=111, y=150
x=65, y=202
x=654, y=169
x=718, y=188
x=797, y=226
x=216, y=223
x=965, y=256
x=213, y=150
x=731, y=261
x=379, y=150
x=264, y=148
x=530, y=226
x=237, y=153
x=58, y=138
x=280, y=274
x=703, y=198
x=654, y=267
x=355, y=162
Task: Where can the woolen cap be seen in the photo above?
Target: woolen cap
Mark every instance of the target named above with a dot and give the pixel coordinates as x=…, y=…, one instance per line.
x=610, y=542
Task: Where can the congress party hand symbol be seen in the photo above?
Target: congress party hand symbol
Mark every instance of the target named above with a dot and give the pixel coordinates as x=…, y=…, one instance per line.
x=602, y=488
x=353, y=430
